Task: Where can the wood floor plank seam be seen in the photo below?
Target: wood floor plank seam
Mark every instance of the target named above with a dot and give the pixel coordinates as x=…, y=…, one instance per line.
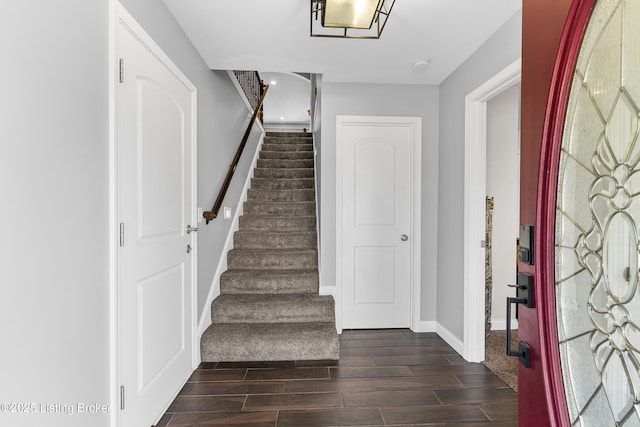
x=413, y=383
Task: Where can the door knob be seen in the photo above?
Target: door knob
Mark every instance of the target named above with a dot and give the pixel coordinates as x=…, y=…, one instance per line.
x=190, y=229
x=404, y=237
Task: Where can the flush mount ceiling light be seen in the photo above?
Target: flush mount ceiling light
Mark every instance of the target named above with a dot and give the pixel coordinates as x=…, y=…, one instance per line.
x=421, y=64
x=357, y=19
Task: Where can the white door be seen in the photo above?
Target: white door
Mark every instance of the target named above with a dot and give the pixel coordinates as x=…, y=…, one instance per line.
x=155, y=142
x=377, y=189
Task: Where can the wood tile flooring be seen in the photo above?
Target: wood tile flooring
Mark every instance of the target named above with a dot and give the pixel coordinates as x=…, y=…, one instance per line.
x=383, y=378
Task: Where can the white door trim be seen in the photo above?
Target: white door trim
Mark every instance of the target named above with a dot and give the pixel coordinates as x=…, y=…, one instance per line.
x=119, y=15
x=475, y=164
x=416, y=209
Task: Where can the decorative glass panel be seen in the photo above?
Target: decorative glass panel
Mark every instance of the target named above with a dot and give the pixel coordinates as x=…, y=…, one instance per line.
x=597, y=224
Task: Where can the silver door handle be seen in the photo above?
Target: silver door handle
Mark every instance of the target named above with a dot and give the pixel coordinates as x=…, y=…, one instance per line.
x=404, y=237
x=190, y=229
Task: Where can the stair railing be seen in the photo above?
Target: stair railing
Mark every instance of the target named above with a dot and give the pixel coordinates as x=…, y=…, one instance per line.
x=255, y=94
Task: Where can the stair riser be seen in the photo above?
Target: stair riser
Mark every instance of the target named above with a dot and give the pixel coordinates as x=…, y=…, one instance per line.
x=304, y=195
x=236, y=343
x=282, y=184
x=283, y=173
x=245, y=240
x=241, y=259
x=245, y=283
x=287, y=147
x=286, y=155
x=285, y=164
x=255, y=222
x=265, y=309
x=285, y=209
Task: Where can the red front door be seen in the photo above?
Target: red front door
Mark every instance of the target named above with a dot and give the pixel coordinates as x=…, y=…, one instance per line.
x=542, y=23
x=583, y=330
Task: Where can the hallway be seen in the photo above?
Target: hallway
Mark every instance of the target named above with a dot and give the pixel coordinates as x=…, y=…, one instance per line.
x=383, y=378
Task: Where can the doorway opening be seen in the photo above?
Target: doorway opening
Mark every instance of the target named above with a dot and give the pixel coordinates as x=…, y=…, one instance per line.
x=502, y=228
x=475, y=207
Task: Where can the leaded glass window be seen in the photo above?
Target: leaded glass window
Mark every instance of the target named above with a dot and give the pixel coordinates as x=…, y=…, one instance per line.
x=597, y=223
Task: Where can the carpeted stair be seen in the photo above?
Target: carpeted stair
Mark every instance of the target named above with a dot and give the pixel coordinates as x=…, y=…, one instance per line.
x=269, y=307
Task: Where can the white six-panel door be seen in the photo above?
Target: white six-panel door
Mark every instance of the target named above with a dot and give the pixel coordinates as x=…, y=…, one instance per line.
x=155, y=140
x=376, y=220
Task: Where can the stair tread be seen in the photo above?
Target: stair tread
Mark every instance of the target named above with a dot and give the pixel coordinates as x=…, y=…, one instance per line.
x=284, y=190
x=273, y=146
x=277, y=233
x=264, y=180
x=279, y=252
x=295, y=202
x=276, y=299
x=262, y=168
x=284, y=155
x=270, y=216
x=273, y=271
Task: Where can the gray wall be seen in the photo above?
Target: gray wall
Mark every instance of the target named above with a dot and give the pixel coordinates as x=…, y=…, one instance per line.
x=501, y=50
x=54, y=184
x=382, y=100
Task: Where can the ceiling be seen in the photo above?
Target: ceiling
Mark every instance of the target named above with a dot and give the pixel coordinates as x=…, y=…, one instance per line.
x=273, y=35
x=288, y=99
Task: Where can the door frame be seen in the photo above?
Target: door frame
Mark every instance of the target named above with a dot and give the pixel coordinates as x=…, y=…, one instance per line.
x=119, y=15
x=475, y=177
x=416, y=209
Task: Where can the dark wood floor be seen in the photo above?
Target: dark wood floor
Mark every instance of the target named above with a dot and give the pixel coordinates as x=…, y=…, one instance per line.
x=383, y=378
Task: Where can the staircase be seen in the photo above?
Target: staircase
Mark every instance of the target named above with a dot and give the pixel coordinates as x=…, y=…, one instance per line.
x=269, y=307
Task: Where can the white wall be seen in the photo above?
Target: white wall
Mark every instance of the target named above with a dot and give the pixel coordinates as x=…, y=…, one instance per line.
x=54, y=186
x=382, y=100
x=501, y=50
x=503, y=184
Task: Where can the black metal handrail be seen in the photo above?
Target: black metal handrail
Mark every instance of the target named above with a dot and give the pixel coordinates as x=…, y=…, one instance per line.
x=252, y=86
x=257, y=111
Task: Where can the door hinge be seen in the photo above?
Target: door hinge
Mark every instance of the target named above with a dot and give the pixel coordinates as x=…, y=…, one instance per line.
x=122, y=398
x=121, y=70
x=121, y=234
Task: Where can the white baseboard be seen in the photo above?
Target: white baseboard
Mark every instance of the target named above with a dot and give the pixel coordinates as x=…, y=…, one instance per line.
x=451, y=339
x=425, y=326
x=328, y=290
x=214, y=290
x=501, y=325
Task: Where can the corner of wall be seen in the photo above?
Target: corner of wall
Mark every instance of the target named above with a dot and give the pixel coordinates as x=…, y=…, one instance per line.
x=450, y=338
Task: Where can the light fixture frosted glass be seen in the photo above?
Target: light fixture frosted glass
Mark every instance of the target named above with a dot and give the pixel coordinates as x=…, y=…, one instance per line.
x=349, y=13
x=352, y=19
